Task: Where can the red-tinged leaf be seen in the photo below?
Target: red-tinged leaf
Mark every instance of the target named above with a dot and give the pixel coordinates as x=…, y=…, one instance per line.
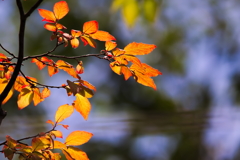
x=50, y=122
x=25, y=97
x=63, y=112
x=52, y=70
x=103, y=36
x=67, y=155
x=57, y=134
x=110, y=45
x=88, y=85
x=60, y=9
x=47, y=15
x=37, y=97
x=65, y=126
x=67, y=68
x=45, y=92
x=59, y=145
x=90, y=27
x=88, y=40
x=75, y=33
x=74, y=43
x=126, y=72
x=135, y=48
x=40, y=143
x=3, y=56
x=19, y=83
x=3, y=84
x=77, y=138
x=76, y=153
x=82, y=105
x=51, y=27
x=40, y=64
x=80, y=68
x=116, y=68
x=45, y=59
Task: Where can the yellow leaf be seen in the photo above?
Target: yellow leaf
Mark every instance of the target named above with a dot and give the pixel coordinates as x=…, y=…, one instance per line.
x=63, y=112
x=25, y=97
x=3, y=84
x=67, y=155
x=76, y=153
x=40, y=143
x=59, y=145
x=77, y=138
x=116, y=67
x=130, y=12
x=57, y=134
x=150, y=9
x=82, y=105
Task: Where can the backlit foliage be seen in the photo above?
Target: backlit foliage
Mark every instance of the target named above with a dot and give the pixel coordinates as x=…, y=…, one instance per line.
x=122, y=61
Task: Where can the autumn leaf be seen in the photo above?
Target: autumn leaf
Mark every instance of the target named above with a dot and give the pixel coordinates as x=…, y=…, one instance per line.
x=45, y=92
x=63, y=112
x=135, y=48
x=77, y=138
x=11, y=143
x=60, y=9
x=40, y=143
x=57, y=133
x=39, y=64
x=50, y=122
x=110, y=45
x=37, y=97
x=80, y=68
x=25, y=97
x=103, y=36
x=3, y=84
x=67, y=155
x=67, y=68
x=59, y=145
x=76, y=153
x=82, y=105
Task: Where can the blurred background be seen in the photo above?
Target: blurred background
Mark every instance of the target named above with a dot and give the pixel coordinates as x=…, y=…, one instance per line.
x=194, y=114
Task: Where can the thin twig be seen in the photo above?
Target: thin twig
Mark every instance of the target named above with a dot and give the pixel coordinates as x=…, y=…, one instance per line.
x=7, y=51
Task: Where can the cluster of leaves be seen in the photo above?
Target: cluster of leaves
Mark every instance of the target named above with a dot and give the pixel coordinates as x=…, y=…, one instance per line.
x=122, y=61
x=42, y=145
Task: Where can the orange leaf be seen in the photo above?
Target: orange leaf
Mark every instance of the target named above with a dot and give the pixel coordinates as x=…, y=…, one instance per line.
x=80, y=68
x=88, y=40
x=102, y=36
x=45, y=92
x=37, y=97
x=78, y=138
x=65, y=126
x=82, y=105
x=25, y=97
x=63, y=112
x=146, y=69
x=60, y=9
x=90, y=27
x=51, y=27
x=40, y=143
x=11, y=143
x=67, y=68
x=50, y=122
x=52, y=70
x=145, y=80
x=139, y=48
x=59, y=145
x=75, y=33
x=38, y=63
x=110, y=45
x=3, y=84
x=126, y=72
x=76, y=153
x=57, y=134
x=88, y=85
x=47, y=15
x=74, y=42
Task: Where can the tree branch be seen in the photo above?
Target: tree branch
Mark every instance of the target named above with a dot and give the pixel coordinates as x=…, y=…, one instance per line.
x=23, y=19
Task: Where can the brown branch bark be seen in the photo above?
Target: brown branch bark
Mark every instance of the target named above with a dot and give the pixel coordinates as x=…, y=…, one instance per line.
x=23, y=18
